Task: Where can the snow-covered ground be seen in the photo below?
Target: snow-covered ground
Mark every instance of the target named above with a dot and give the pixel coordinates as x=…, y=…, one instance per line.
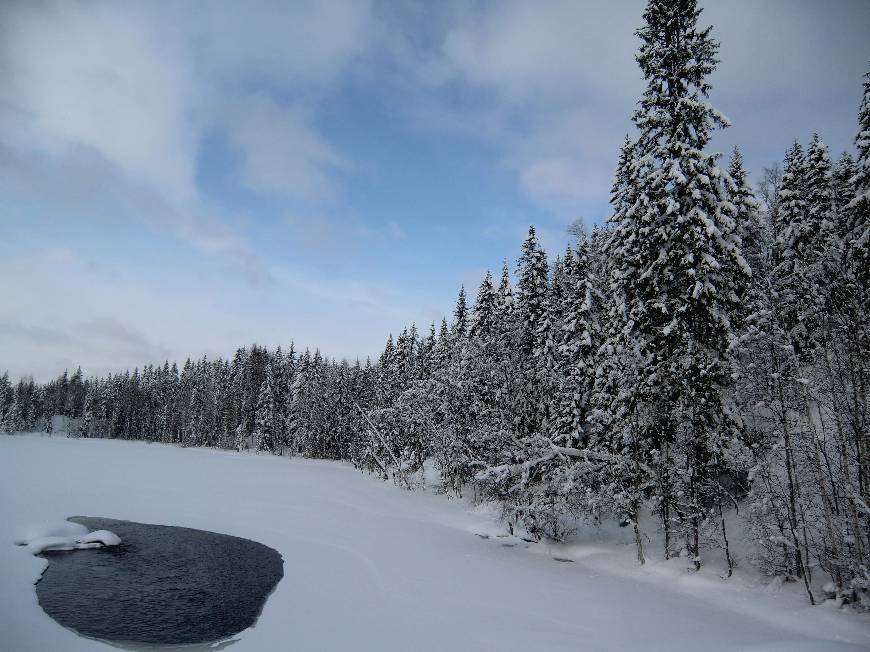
x=369, y=566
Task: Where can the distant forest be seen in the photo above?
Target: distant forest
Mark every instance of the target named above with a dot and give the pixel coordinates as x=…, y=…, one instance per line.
x=702, y=357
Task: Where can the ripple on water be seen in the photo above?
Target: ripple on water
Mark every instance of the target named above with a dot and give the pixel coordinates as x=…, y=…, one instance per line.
x=162, y=585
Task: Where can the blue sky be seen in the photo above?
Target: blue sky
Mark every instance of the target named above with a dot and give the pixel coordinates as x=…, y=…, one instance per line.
x=181, y=179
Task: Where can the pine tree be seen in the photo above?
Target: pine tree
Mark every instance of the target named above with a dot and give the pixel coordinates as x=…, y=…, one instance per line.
x=7, y=402
x=40, y=415
x=855, y=329
x=388, y=376
x=460, y=316
x=770, y=373
x=75, y=396
x=819, y=180
x=266, y=427
x=505, y=293
x=297, y=405
x=236, y=394
x=859, y=206
x=443, y=348
x=86, y=425
x=806, y=242
x=843, y=192
x=407, y=346
x=196, y=429
x=579, y=339
x=680, y=274
x=534, y=332
x=622, y=192
x=752, y=232
x=484, y=313
x=427, y=354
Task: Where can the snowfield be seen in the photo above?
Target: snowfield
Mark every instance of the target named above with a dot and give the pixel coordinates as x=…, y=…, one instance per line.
x=370, y=566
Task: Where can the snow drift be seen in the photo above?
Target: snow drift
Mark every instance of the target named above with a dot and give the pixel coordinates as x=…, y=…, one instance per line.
x=64, y=535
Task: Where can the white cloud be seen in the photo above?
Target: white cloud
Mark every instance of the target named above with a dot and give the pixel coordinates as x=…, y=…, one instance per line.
x=281, y=151
x=284, y=44
x=104, y=108
x=141, y=85
x=341, y=232
x=72, y=311
x=100, y=79
x=548, y=85
x=552, y=179
x=545, y=51
x=551, y=85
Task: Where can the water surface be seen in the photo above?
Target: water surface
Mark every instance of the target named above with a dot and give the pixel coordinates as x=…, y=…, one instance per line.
x=162, y=585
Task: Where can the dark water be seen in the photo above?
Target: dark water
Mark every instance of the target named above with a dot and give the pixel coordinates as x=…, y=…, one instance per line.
x=163, y=584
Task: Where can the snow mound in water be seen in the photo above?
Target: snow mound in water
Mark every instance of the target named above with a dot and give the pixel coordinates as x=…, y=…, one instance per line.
x=42, y=544
x=64, y=536
x=103, y=537
x=26, y=535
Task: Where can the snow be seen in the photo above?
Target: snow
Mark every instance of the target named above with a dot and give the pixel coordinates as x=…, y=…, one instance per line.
x=64, y=535
x=371, y=566
x=101, y=537
x=66, y=529
x=42, y=544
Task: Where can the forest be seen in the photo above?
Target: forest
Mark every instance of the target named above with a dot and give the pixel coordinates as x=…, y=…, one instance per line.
x=697, y=363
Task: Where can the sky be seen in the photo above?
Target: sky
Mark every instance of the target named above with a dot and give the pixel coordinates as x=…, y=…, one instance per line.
x=180, y=179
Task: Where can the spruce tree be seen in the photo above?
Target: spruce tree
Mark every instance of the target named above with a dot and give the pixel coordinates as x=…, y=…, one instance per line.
x=819, y=180
x=860, y=204
x=7, y=399
x=86, y=424
x=534, y=333
x=484, y=313
x=579, y=339
x=680, y=272
x=858, y=265
x=267, y=428
x=460, y=316
x=752, y=232
x=427, y=353
x=505, y=293
x=843, y=192
x=443, y=348
x=806, y=242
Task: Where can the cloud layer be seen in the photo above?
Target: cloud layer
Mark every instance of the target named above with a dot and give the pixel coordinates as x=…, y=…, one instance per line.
x=286, y=164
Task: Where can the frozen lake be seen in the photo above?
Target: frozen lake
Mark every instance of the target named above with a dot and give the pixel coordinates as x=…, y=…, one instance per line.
x=370, y=566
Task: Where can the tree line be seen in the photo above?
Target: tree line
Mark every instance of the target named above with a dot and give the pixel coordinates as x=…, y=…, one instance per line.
x=702, y=357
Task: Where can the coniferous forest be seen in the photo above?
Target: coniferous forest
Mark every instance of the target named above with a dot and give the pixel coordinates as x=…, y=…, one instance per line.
x=698, y=364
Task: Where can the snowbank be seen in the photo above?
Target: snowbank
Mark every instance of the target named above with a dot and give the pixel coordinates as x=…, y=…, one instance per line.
x=67, y=529
x=43, y=544
x=101, y=537
x=64, y=535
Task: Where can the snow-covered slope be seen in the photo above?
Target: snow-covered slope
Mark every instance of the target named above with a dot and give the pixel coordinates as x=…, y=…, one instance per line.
x=369, y=566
